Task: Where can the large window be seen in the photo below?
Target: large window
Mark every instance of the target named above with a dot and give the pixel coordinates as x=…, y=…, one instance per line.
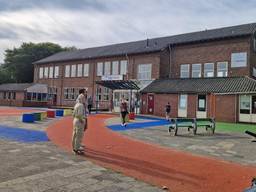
x=50, y=72
x=239, y=59
x=86, y=70
x=209, y=70
x=196, y=70
x=56, y=71
x=201, y=103
x=99, y=69
x=107, y=66
x=144, y=71
x=222, y=69
x=184, y=71
x=245, y=104
x=115, y=68
x=123, y=67
x=71, y=93
x=67, y=71
x=41, y=73
x=79, y=70
x=46, y=72
x=183, y=102
x=106, y=94
x=73, y=70
x=254, y=104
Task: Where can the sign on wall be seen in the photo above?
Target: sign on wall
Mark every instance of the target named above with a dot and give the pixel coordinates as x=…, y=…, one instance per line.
x=239, y=59
x=111, y=77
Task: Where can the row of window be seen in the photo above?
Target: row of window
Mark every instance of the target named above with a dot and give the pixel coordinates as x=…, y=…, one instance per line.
x=49, y=72
x=77, y=70
x=9, y=95
x=103, y=94
x=222, y=70
x=112, y=68
x=201, y=102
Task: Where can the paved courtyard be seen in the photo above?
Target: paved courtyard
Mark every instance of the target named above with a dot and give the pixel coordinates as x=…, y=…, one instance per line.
x=44, y=167
x=234, y=147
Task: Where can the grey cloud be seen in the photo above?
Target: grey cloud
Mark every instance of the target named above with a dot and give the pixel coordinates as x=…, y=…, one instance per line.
x=15, y=5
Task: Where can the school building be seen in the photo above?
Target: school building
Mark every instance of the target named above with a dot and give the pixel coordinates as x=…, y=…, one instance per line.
x=208, y=73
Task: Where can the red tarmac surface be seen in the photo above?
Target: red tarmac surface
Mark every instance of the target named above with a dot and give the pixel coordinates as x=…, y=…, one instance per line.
x=179, y=171
x=9, y=111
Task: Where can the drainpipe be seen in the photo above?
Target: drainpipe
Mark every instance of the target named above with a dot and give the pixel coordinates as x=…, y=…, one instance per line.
x=128, y=62
x=170, y=59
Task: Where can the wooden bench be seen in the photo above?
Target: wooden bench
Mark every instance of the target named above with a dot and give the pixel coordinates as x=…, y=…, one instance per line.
x=191, y=123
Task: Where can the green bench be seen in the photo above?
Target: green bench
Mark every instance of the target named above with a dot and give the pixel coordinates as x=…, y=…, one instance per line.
x=191, y=123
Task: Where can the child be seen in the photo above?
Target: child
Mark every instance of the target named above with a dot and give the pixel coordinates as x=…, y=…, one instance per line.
x=167, y=111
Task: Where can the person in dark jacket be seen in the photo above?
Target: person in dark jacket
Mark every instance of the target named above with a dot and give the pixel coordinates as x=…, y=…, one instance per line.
x=123, y=110
x=167, y=111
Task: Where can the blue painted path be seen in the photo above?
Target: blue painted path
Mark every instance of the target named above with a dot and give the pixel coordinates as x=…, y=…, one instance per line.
x=22, y=135
x=140, y=125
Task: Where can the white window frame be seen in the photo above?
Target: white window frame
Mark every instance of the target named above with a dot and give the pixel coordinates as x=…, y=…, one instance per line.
x=238, y=59
x=51, y=72
x=46, y=72
x=56, y=71
x=123, y=67
x=41, y=72
x=222, y=72
x=208, y=71
x=186, y=71
x=99, y=68
x=107, y=68
x=115, y=68
x=196, y=71
x=79, y=70
x=86, y=70
x=144, y=71
x=67, y=70
x=73, y=70
x=181, y=97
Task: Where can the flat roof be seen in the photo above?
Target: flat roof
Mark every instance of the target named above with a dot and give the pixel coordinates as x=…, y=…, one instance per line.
x=151, y=45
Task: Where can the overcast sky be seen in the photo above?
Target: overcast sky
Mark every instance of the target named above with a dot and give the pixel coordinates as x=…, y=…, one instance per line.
x=87, y=23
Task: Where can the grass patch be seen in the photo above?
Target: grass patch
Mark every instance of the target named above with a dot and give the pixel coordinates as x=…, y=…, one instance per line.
x=235, y=127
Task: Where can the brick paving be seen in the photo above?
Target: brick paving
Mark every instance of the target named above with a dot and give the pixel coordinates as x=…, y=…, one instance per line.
x=43, y=167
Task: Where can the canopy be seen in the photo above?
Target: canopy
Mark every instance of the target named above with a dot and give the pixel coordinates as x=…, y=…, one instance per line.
x=119, y=84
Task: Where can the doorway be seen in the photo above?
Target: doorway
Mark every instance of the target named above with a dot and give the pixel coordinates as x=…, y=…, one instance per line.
x=150, y=104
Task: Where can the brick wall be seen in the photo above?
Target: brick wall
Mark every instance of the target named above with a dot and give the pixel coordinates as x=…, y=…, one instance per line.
x=192, y=106
x=17, y=102
x=226, y=108
x=215, y=51
x=89, y=82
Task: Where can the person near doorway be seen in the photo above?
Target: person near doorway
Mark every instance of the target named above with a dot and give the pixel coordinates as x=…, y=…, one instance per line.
x=167, y=111
x=79, y=123
x=89, y=102
x=123, y=110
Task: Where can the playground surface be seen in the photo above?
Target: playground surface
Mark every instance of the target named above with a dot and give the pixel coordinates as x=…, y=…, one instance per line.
x=146, y=153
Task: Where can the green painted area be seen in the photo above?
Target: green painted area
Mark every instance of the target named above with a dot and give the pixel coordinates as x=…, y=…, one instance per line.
x=235, y=127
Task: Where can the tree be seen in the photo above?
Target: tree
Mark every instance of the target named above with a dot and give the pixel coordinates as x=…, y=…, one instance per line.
x=19, y=61
x=5, y=76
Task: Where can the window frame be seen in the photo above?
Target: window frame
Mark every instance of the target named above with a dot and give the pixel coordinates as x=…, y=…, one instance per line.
x=46, y=74
x=67, y=70
x=115, y=68
x=99, y=69
x=201, y=97
x=73, y=70
x=79, y=70
x=206, y=71
x=196, y=70
x=41, y=72
x=186, y=104
x=107, y=68
x=218, y=70
x=86, y=68
x=51, y=72
x=186, y=71
x=143, y=74
x=56, y=71
x=123, y=67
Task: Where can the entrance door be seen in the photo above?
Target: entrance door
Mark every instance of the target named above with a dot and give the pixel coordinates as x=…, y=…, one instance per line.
x=182, y=110
x=201, y=106
x=150, y=104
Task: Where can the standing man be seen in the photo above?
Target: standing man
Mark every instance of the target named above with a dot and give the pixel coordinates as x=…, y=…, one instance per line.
x=78, y=126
